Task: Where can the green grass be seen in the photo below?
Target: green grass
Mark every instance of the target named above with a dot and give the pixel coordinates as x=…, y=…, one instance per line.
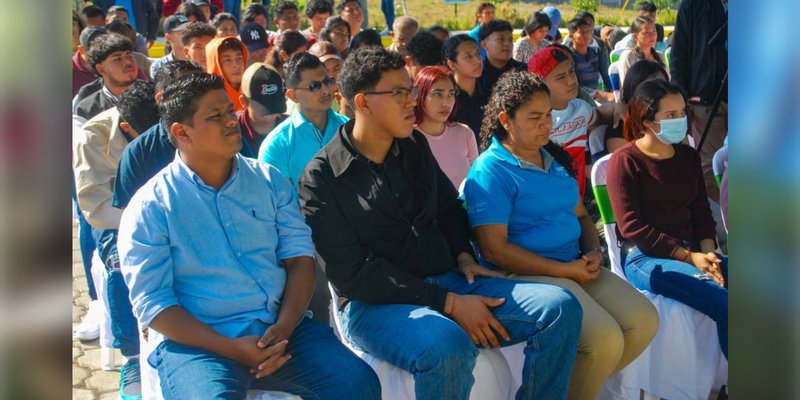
x=436, y=12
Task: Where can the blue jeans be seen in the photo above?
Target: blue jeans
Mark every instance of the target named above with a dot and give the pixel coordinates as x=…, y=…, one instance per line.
x=682, y=282
x=387, y=6
x=86, y=241
x=441, y=356
x=320, y=368
x=123, y=324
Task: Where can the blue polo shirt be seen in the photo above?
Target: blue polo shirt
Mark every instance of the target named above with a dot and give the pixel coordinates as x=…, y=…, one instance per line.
x=142, y=158
x=537, y=205
x=293, y=143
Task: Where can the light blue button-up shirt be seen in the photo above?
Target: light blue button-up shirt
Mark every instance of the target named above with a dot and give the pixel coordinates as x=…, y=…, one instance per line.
x=293, y=143
x=215, y=253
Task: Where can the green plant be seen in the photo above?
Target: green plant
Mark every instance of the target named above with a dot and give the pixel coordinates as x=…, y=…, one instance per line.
x=660, y=4
x=588, y=5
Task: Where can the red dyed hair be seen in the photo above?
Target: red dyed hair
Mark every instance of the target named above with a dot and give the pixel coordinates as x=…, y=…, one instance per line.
x=425, y=79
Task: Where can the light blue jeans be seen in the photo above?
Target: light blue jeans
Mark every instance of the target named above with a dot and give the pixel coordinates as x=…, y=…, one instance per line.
x=682, y=282
x=320, y=368
x=441, y=356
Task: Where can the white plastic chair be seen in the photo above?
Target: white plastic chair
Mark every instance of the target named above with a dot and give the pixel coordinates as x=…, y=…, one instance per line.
x=616, y=83
x=615, y=54
x=497, y=372
x=684, y=360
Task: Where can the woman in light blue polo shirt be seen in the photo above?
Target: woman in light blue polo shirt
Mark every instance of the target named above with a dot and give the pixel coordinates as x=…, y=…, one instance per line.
x=523, y=205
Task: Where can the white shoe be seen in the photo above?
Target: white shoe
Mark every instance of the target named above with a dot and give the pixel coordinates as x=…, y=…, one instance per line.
x=89, y=328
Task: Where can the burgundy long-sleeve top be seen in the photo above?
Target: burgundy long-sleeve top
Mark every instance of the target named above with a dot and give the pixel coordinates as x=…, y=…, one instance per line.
x=659, y=203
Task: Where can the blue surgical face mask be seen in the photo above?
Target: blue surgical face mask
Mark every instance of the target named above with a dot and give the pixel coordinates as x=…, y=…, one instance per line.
x=672, y=130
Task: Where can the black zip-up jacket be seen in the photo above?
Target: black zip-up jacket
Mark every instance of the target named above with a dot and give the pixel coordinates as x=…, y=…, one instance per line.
x=694, y=64
x=370, y=248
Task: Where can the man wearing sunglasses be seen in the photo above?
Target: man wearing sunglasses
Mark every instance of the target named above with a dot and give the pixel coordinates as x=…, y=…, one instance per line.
x=312, y=124
x=393, y=239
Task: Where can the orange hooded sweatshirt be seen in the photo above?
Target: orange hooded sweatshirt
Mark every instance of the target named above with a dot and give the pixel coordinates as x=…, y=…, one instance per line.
x=213, y=66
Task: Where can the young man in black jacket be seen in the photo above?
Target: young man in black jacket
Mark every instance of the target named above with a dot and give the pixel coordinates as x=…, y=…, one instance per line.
x=393, y=240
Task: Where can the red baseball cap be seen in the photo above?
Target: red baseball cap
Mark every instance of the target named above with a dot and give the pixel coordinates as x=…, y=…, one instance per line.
x=546, y=60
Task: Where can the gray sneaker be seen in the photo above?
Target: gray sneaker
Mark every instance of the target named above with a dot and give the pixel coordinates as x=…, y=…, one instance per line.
x=130, y=381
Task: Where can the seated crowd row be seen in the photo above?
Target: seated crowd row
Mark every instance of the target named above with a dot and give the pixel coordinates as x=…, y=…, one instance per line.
x=212, y=192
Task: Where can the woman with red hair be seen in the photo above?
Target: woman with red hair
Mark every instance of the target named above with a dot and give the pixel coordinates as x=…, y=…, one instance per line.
x=452, y=143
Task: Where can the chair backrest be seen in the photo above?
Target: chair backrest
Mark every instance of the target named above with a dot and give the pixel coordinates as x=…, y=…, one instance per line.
x=718, y=163
x=615, y=54
x=606, y=213
x=616, y=83
x=667, y=53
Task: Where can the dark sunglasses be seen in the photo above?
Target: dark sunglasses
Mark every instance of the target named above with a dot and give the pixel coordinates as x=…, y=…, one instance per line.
x=317, y=85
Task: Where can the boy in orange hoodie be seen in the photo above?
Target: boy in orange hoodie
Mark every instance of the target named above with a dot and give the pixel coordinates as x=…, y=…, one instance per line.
x=227, y=57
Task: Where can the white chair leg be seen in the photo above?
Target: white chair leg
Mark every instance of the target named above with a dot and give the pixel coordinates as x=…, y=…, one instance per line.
x=100, y=279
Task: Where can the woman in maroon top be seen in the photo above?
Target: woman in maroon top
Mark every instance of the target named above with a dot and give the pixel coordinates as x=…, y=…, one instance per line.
x=658, y=194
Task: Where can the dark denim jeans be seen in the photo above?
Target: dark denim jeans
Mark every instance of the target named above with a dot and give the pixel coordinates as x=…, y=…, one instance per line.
x=86, y=241
x=682, y=282
x=440, y=354
x=321, y=367
x=123, y=324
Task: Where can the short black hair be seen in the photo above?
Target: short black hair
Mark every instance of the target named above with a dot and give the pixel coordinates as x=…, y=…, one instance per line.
x=181, y=97
x=495, y=25
x=364, y=68
x=122, y=28
x=425, y=49
x=191, y=9
x=367, y=37
x=585, y=15
x=283, y=6
x=450, y=47
x=340, y=6
x=174, y=70
x=251, y=12
x=295, y=67
x=439, y=28
x=104, y=46
x=314, y=7
x=137, y=106
x=218, y=19
x=93, y=11
x=231, y=43
x=197, y=29
x=576, y=23
x=646, y=6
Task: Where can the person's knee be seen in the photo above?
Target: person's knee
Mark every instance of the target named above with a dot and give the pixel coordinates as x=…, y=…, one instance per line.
x=454, y=352
x=603, y=342
x=564, y=310
x=362, y=380
x=643, y=321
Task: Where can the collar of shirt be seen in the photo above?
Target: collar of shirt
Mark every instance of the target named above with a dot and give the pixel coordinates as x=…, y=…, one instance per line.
x=298, y=120
x=503, y=154
x=342, y=153
x=107, y=92
x=186, y=172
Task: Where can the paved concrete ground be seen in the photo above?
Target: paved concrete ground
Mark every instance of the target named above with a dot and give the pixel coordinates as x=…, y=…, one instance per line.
x=88, y=380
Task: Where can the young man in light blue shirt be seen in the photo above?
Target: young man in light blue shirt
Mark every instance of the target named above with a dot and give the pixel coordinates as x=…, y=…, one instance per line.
x=220, y=262
x=293, y=143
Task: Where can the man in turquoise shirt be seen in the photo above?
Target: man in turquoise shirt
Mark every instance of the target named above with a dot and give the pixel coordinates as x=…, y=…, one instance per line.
x=293, y=143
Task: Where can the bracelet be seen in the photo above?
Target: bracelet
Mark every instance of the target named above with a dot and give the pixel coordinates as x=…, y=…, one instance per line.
x=686, y=257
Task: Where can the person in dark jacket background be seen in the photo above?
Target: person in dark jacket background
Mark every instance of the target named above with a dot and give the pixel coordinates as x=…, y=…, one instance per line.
x=698, y=63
